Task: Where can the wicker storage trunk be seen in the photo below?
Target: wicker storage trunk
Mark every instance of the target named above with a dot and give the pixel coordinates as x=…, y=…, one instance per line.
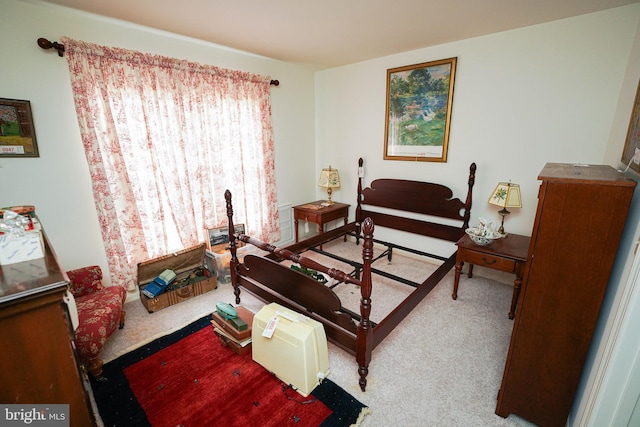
x=192, y=278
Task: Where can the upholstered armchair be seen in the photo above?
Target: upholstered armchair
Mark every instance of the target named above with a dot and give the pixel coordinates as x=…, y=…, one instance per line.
x=100, y=312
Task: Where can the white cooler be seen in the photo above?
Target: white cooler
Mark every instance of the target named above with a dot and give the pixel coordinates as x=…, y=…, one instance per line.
x=296, y=353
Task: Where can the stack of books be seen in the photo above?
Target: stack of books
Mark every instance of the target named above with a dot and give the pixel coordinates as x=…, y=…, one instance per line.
x=233, y=333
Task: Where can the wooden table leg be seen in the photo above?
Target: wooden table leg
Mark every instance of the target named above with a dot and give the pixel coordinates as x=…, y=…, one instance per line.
x=295, y=221
x=459, y=265
x=516, y=292
x=346, y=219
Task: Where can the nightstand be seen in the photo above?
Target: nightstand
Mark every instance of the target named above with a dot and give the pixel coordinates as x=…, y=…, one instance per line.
x=318, y=214
x=507, y=254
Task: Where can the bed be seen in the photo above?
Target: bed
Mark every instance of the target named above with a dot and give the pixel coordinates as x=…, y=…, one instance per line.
x=422, y=208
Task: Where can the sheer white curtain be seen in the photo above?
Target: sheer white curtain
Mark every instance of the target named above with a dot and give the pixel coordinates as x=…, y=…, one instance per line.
x=164, y=138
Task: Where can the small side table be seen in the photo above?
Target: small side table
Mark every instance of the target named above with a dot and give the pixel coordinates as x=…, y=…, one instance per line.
x=507, y=254
x=316, y=213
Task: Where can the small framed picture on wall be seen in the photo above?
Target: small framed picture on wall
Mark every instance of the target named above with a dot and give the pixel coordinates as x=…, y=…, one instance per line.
x=17, y=134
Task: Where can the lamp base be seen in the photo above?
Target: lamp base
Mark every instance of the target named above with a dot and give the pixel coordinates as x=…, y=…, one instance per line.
x=329, y=202
x=502, y=212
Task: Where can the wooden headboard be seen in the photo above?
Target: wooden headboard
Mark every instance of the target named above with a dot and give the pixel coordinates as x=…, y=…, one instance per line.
x=418, y=197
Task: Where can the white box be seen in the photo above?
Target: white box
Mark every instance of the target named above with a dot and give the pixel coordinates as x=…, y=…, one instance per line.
x=297, y=353
x=22, y=248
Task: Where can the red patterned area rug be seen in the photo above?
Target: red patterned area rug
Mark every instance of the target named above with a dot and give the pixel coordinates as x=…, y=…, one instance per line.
x=189, y=378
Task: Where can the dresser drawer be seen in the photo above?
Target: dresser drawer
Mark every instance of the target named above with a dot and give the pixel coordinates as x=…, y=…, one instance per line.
x=491, y=261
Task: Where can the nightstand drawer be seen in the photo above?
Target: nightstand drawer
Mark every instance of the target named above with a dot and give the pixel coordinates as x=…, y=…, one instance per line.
x=306, y=216
x=491, y=261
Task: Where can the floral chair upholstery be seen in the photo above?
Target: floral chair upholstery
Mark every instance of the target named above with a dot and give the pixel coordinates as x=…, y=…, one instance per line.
x=100, y=312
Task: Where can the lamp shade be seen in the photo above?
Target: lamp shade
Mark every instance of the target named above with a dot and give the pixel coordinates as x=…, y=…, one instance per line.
x=506, y=195
x=329, y=178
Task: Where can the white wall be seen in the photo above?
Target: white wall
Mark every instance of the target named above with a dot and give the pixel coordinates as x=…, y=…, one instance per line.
x=58, y=182
x=545, y=93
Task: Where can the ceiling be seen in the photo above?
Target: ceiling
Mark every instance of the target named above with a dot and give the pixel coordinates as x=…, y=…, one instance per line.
x=329, y=33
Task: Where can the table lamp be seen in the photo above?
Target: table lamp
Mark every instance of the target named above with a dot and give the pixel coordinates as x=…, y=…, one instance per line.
x=506, y=195
x=329, y=179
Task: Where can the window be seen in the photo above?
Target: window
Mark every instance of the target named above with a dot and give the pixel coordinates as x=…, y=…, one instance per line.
x=164, y=138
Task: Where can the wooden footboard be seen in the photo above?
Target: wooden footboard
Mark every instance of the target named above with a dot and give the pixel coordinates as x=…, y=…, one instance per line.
x=274, y=282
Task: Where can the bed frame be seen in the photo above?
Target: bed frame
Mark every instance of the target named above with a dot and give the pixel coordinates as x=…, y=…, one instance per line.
x=269, y=280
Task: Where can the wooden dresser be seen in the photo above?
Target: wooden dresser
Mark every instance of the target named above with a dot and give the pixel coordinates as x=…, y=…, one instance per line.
x=37, y=357
x=579, y=221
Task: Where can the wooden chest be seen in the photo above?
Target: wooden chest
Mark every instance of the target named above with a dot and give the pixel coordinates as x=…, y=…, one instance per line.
x=192, y=278
x=579, y=223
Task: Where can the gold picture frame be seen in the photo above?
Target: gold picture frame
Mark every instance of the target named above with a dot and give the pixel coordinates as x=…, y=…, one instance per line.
x=418, y=119
x=633, y=135
x=17, y=133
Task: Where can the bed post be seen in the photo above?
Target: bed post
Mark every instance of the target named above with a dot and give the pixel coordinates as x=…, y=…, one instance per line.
x=364, y=344
x=358, y=200
x=232, y=247
x=467, y=203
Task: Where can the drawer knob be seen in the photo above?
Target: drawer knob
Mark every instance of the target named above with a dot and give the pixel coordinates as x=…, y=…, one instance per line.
x=488, y=261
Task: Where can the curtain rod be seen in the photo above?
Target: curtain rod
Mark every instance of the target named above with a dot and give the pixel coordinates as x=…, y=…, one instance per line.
x=46, y=44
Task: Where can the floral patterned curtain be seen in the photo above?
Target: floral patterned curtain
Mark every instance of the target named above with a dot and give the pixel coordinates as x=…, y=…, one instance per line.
x=164, y=138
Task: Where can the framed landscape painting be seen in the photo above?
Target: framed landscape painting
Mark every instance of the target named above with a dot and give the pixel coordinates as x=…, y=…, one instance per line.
x=17, y=134
x=419, y=101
